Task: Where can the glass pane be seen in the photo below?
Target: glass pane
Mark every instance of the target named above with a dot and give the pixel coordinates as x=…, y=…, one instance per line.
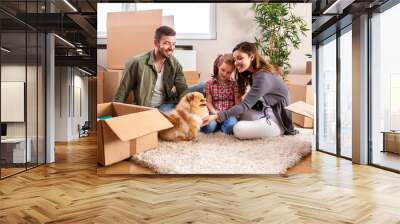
x=385, y=89
x=346, y=94
x=31, y=87
x=13, y=73
x=31, y=98
x=327, y=96
x=41, y=98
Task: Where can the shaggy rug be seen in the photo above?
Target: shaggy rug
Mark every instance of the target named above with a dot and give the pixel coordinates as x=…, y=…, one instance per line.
x=223, y=154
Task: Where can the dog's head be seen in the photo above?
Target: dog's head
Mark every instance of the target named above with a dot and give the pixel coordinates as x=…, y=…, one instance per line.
x=195, y=103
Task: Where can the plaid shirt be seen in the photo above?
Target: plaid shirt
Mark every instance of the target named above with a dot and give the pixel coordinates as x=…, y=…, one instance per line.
x=222, y=93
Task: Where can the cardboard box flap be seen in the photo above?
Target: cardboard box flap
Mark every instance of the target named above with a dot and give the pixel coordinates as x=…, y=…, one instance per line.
x=135, y=125
x=121, y=109
x=302, y=108
x=299, y=79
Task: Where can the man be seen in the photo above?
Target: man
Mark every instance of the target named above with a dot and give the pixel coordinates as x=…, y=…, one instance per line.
x=156, y=78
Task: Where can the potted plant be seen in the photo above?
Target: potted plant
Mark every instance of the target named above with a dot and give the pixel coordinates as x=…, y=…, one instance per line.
x=280, y=31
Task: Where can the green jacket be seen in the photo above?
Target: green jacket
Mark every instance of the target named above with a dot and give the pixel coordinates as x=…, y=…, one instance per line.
x=140, y=77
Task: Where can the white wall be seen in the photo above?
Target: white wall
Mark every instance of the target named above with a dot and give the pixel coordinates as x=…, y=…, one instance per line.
x=235, y=23
x=68, y=81
x=62, y=81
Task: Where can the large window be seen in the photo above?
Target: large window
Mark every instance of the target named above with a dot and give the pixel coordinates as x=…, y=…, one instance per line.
x=327, y=96
x=346, y=93
x=335, y=74
x=190, y=20
x=385, y=88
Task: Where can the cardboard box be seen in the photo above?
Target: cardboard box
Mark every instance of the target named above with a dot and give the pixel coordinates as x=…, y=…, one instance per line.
x=300, y=89
x=131, y=129
x=111, y=81
x=302, y=108
x=308, y=67
x=130, y=34
x=100, y=89
x=108, y=84
x=192, y=77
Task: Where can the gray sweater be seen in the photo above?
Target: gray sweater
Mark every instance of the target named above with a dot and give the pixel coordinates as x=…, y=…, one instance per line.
x=268, y=88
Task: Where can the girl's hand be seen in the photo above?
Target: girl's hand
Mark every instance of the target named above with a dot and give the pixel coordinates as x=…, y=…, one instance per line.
x=208, y=119
x=213, y=117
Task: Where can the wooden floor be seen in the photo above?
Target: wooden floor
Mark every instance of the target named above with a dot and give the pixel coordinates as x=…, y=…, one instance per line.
x=69, y=191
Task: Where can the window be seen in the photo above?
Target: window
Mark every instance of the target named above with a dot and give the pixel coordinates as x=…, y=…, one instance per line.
x=385, y=85
x=191, y=20
x=346, y=92
x=327, y=96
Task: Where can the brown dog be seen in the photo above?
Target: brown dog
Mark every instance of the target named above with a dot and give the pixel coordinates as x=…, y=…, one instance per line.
x=186, y=118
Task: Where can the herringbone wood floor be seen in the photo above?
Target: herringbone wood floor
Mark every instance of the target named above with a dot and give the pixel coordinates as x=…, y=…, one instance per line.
x=69, y=191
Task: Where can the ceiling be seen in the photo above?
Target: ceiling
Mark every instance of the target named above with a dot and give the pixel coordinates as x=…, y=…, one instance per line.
x=73, y=21
x=328, y=16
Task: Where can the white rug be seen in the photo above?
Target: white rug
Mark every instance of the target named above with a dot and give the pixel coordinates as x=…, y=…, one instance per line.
x=223, y=154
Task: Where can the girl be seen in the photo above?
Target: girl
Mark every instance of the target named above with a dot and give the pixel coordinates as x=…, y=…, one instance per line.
x=221, y=94
x=262, y=111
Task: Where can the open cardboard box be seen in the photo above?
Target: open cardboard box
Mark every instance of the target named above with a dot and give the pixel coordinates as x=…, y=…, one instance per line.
x=131, y=129
x=302, y=108
x=300, y=89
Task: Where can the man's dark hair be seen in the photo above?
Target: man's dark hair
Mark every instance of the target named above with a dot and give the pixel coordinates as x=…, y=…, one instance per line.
x=163, y=31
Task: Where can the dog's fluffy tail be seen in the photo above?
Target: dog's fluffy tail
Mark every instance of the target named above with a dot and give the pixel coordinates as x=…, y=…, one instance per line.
x=173, y=118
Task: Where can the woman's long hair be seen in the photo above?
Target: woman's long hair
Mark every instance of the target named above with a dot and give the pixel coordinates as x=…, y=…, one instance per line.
x=258, y=64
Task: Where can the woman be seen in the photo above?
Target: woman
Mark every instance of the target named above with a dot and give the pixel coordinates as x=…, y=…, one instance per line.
x=262, y=111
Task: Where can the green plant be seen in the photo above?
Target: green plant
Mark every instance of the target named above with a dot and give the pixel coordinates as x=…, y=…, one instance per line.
x=280, y=32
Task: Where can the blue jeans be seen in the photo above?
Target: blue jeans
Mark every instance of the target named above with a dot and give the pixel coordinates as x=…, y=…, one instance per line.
x=167, y=107
x=226, y=126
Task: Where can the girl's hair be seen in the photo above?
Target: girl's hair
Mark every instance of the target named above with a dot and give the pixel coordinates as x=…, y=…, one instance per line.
x=222, y=58
x=258, y=64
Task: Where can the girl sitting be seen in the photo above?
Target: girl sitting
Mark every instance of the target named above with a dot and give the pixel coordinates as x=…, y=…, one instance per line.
x=221, y=93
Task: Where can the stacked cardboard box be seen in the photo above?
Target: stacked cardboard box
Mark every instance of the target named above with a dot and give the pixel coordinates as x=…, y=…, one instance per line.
x=123, y=44
x=300, y=89
x=130, y=34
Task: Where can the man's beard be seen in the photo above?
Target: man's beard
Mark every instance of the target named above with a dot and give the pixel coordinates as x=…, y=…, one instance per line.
x=163, y=54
